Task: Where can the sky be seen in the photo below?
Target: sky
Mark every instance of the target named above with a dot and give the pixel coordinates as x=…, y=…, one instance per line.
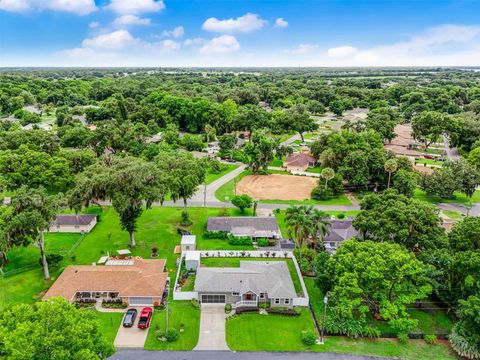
x=200, y=33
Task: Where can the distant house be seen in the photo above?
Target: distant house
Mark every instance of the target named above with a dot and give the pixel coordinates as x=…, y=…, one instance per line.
x=42, y=126
x=340, y=230
x=249, y=226
x=252, y=283
x=137, y=282
x=299, y=162
x=81, y=223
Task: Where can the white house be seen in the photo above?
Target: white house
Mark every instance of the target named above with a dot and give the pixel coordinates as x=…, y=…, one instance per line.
x=188, y=242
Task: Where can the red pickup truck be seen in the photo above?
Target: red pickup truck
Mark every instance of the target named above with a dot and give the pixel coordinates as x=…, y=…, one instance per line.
x=145, y=317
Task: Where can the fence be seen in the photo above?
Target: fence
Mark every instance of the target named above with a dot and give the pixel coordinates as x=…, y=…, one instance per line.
x=188, y=295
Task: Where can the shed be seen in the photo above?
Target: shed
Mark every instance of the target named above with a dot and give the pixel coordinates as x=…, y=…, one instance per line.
x=188, y=242
x=192, y=260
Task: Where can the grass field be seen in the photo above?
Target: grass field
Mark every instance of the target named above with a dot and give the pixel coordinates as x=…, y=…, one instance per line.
x=109, y=324
x=235, y=262
x=315, y=170
x=459, y=197
x=429, y=162
x=212, y=177
x=156, y=227
x=254, y=332
x=276, y=163
x=454, y=215
x=182, y=315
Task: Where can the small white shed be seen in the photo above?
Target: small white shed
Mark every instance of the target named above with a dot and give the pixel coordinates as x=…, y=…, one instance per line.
x=192, y=260
x=188, y=242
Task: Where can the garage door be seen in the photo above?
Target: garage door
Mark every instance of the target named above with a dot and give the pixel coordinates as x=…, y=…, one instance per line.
x=141, y=301
x=213, y=299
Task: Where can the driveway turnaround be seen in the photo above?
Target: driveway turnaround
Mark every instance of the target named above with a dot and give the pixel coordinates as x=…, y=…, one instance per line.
x=212, y=328
x=131, y=337
x=227, y=355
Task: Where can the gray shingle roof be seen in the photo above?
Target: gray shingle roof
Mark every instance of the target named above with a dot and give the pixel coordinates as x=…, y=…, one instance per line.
x=271, y=277
x=257, y=226
x=69, y=220
x=341, y=230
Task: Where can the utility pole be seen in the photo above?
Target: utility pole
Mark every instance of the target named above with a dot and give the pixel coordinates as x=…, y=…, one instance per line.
x=325, y=301
x=166, y=310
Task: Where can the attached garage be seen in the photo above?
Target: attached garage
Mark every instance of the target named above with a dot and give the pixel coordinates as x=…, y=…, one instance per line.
x=140, y=301
x=213, y=299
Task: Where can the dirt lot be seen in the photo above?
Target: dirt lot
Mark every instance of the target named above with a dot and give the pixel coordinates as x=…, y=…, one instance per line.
x=277, y=187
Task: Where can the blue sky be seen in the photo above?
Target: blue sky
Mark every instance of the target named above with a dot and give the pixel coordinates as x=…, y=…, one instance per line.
x=239, y=33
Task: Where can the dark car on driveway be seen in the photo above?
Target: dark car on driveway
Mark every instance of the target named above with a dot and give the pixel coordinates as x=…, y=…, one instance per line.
x=129, y=318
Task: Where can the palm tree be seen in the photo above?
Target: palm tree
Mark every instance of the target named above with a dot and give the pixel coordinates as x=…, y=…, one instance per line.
x=327, y=174
x=298, y=224
x=390, y=166
x=321, y=226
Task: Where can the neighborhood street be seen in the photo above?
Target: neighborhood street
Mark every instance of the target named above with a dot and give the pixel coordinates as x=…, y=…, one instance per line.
x=227, y=355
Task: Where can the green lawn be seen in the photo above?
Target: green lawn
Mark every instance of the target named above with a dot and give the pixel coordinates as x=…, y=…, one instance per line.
x=182, y=315
x=156, y=227
x=276, y=163
x=109, y=323
x=212, y=177
x=459, y=197
x=454, y=215
x=227, y=191
x=189, y=283
x=317, y=169
x=255, y=332
x=235, y=262
x=429, y=162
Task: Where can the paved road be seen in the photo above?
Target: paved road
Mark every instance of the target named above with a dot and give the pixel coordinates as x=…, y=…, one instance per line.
x=212, y=328
x=227, y=355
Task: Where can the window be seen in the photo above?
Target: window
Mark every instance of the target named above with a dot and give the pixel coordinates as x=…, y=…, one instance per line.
x=262, y=295
x=235, y=293
x=277, y=301
x=332, y=244
x=286, y=301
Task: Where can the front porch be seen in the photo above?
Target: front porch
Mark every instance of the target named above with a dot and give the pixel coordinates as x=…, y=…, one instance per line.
x=249, y=299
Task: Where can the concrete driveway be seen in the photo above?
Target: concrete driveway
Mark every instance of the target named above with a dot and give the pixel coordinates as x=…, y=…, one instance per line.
x=131, y=337
x=212, y=328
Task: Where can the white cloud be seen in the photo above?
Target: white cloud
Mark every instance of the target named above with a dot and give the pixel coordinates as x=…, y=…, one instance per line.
x=220, y=45
x=80, y=7
x=15, y=5
x=130, y=20
x=94, y=25
x=111, y=41
x=176, y=32
x=170, y=45
x=281, y=23
x=342, y=51
x=243, y=24
x=135, y=6
x=195, y=41
x=302, y=49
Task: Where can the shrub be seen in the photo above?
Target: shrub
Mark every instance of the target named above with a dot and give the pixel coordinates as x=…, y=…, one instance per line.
x=242, y=202
x=321, y=193
x=52, y=260
x=228, y=308
x=171, y=335
x=342, y=326
x=308, y=338
x=430, y=339
x=341, y=216
x=239, y=241
x=402, y=337
x=195, y=304
x=263, y=242
x=462, y=346
x=185, y=219
x=215, y=234
x=371, y=332
x=154, y=251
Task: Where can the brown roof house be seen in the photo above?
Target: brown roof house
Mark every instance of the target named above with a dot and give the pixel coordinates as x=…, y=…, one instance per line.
x=81, y=223
x=138, y=282
x=299, y=162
